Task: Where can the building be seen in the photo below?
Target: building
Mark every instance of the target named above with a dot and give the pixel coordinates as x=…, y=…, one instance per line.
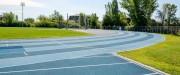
x=74, y=17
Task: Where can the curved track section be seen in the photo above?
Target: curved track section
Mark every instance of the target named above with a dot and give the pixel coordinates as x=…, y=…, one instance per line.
x=74, y=56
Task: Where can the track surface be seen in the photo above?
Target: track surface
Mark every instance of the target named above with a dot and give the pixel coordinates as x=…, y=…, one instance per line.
x=75, y=56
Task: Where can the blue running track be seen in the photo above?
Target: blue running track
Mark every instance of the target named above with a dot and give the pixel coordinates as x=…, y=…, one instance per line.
x=93, y=55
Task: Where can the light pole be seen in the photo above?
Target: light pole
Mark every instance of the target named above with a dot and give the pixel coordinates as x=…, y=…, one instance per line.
x=67, y=22
x=22, y=4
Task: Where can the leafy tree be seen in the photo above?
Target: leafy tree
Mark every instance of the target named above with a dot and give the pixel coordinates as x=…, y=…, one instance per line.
x=112, y=16
x=168, y=14
x=29, y=20
x=8, y=18
x=140, y=11
x=82, y=19
x=123, y=19
x=42, y=18
x=93, y=20
x=57, y=18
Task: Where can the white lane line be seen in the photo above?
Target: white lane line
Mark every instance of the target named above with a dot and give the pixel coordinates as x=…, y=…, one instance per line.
x=25, y=53
x=142, y=65
x=7, y=44
x=152, y=74
x=60, y=68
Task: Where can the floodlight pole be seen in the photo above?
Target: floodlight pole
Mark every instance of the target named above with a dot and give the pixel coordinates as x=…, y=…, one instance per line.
x=22, y=4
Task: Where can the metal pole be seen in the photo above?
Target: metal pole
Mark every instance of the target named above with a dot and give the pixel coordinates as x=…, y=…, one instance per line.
x=67, y=22
x=85, y=22
x=22, y=4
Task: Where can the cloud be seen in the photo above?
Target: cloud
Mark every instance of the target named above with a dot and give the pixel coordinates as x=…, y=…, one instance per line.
x=29, y=3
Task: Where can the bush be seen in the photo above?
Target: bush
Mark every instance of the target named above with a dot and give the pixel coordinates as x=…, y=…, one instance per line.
x=177, y=32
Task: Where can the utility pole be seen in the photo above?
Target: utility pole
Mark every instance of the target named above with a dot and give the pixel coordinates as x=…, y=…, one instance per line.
x=67, y=22
x=85, y=22
x=22, y=4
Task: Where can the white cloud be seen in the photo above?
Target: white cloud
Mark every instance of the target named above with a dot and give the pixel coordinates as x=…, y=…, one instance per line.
x=29, y=3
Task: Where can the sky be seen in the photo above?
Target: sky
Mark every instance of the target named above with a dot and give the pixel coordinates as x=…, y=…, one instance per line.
x=34, y=8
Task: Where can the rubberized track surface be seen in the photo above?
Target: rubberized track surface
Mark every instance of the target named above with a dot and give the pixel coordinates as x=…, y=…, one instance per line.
x=75, y=56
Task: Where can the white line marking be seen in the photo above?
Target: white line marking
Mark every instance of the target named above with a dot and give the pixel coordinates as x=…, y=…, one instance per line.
x=142, y=65
x=60, y=68
x=152, y=74
x=7, y=44
x=26, y=54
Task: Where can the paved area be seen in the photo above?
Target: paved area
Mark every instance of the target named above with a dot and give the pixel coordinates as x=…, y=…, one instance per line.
x=92, y=55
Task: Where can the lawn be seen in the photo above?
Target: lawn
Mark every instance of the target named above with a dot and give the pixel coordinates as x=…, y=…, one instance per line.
x=28, y=33
x=164, y=56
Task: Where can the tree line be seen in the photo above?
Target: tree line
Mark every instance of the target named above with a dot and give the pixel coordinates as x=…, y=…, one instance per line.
x=55, y=20
x=139, y=13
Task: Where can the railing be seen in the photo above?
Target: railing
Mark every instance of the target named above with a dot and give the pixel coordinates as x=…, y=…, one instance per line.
x=150, y=29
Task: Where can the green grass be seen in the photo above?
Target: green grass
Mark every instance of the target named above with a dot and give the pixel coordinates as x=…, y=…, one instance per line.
x=29, y=33
x=164, y=56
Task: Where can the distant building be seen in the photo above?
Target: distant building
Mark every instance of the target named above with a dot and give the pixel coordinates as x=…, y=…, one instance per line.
x=74, y=17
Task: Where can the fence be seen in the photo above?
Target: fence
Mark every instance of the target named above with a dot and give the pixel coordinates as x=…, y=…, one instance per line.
x=151, y=29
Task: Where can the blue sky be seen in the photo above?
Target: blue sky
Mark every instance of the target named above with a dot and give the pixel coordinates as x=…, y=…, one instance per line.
x=34, y=8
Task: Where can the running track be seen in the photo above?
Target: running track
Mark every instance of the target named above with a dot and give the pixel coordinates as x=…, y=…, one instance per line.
x=93, y=55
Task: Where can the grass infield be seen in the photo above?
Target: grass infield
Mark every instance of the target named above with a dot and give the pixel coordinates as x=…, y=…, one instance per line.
x=164, y=56
x=29, y=33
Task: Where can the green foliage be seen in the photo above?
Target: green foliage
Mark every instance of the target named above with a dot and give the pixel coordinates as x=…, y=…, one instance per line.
x=140, y=11
x=30, y=22
x=123, y=19
x=73, y=24
x=82, y=19
x=57, y=18
x=54, y=20
x=168, y=15
x=8, y=18
x=112, y=16
x=93, y=21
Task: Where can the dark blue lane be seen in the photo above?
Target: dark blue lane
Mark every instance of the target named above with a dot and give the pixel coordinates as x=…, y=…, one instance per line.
x=9, y=50
x=80, y=66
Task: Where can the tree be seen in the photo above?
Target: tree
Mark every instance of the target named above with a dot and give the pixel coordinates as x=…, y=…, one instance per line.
x=57, y=18
x=93, y=21
x=140, y=11
x=8, y=18
x=161, y=16
x=123, y=19
x=42, y=18
x=29, y=20
x=168, y=14
x=82, y=19
x=112, y=16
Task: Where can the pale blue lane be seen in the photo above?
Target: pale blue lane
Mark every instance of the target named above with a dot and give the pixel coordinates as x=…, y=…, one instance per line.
x=49, y=44
x=66, y=41
x=115, y=33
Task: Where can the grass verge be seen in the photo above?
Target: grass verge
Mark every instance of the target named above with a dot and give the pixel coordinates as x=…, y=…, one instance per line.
x=28, y=33
x=164, y=56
